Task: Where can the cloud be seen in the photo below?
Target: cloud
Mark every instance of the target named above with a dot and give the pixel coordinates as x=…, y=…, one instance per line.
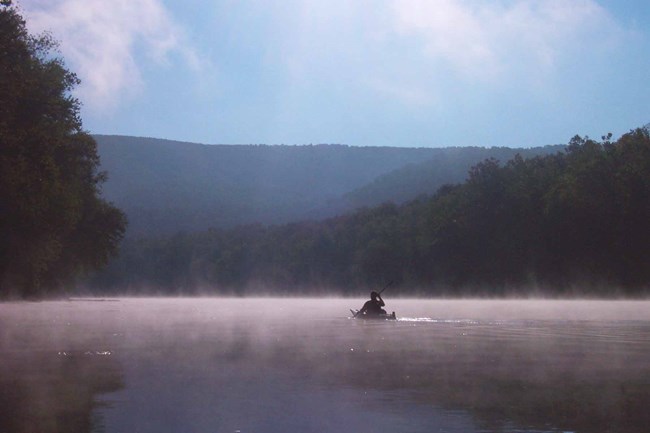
x=286, y=56
x=491, y=40
x=100, y=41
x=421, y=53
x=448, y=30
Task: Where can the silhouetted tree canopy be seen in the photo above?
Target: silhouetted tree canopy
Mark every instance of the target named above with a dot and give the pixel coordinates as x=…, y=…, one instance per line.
x=53, y=223
x=575, y=221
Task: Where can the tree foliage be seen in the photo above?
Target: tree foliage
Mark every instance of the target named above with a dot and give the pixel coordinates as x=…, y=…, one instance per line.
x=53, y=223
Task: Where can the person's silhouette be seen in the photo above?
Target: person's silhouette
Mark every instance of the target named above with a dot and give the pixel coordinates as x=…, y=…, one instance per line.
x=373, y=306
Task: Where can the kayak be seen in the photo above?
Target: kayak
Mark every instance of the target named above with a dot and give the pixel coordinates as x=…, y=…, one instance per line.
x=356, y=315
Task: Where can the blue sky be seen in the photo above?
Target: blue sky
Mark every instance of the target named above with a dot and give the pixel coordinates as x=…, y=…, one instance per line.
x=428, y=73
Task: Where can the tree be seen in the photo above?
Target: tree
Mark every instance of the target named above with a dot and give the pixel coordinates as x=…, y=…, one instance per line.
x=53, y=222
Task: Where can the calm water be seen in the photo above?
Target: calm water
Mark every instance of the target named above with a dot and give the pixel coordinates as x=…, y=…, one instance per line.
x=275, y=365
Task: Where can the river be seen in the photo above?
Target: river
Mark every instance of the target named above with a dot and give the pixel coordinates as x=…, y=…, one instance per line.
x=302, y=365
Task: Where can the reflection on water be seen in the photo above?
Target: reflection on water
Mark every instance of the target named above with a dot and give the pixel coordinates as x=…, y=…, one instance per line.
x=50, y=371
x=271, y=365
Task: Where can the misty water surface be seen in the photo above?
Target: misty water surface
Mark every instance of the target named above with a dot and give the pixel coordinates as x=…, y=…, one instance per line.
x=277, y=365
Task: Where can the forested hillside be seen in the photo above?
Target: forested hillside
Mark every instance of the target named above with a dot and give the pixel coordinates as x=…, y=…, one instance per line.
x=167, y=186
x=575, y=221
x=450, y=166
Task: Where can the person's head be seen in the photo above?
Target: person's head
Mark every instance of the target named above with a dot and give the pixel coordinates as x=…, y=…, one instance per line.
x=374, y=295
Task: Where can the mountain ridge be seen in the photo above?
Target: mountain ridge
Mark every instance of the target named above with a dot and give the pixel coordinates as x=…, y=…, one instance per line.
x=167, y=186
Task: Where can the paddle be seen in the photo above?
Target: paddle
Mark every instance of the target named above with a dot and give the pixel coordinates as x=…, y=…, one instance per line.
x=385, y=287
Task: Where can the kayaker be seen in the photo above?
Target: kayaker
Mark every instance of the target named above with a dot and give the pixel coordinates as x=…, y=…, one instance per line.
x=373, y=306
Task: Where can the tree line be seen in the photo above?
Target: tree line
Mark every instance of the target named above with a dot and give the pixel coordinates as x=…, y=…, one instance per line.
x=575, y=221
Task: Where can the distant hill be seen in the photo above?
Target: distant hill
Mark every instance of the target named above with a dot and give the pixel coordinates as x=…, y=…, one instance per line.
x=169, y=186
x=451, y=165
x=166, y=186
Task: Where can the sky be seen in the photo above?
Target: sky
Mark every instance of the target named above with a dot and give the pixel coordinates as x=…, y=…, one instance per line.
x=408, y=73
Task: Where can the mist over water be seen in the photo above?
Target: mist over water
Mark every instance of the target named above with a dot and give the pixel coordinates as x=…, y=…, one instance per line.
x=302, y=365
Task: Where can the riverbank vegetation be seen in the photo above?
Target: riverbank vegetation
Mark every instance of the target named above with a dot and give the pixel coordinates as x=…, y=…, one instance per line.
x=571, y=222
x=53, y=222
